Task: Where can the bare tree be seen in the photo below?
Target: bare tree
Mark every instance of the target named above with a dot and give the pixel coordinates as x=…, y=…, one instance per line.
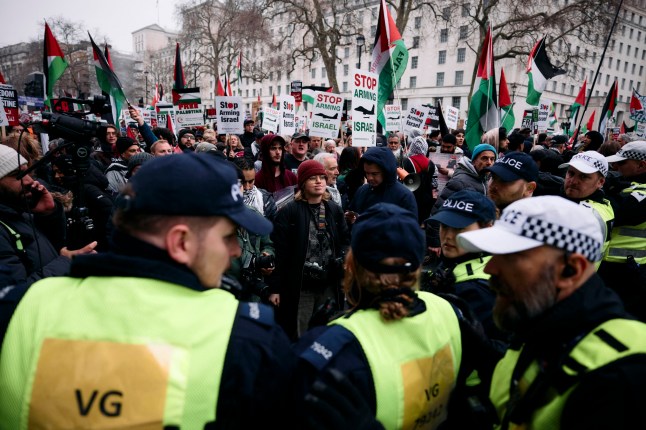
x=322, y=27
x=405, y=8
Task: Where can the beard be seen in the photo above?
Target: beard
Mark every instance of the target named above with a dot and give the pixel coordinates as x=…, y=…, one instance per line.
x=515, y=310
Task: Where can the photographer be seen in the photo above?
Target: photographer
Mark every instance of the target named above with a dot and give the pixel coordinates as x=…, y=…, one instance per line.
x=311, y=236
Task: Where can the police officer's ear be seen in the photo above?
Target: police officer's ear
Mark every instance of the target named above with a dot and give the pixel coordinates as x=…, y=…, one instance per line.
x=180, y=243
x=572, y=272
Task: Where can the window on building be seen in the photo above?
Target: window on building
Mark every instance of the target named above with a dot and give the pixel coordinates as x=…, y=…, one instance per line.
x=404, y=103
x=346, y=70
x=254, y=92
x=345, y=86
x=639, y=34
x=313, y=72
x=563, y=88
x=628, y=50
x=607, y=79
x=413, y=82
x=287, y=89
x=418, y=22
x=465, y=9
x=415, y=42
x=639, y=84
x=621, y=47
x=446, y=13
x=373, y=30
x=636, y=51
x=455, y=102
x=346, y=52
x=633, y=68
x=279, y=88
x=618, y=63
x=440, y=79
x=464, y=31
x=554, y=86
x=462, y=53
x=630, y=85
x=323, y=72
x=626, y=67
x=271, y=76
x=413, y=62
x=571, y=90
x=641, y=70
x=631, y=33
x=623, y=83
x=271, y=90
x=441, y=58
x=444, y=35
x=459, y=77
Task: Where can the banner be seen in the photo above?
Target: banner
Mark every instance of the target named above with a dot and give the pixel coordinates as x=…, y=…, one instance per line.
x=364, y=108
x=9, y=98
x=297, y=91
x=163, y=111
x=415, y=118
x=190, y=112
x=393, y=115
x=270, y=119
x=433, y=119
x=326, y=116
x=286, y=105
x=452, y=117
x=230, y=116
x=528, y=119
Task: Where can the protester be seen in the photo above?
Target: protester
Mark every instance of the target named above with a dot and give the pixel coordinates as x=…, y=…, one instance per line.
x=116, y=172
x=273, y=176
x=161, y=343
x=576, y=359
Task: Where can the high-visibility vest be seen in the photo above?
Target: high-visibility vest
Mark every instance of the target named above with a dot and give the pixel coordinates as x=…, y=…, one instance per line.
x=109, y=352
x=609, y=342
x=472, y=269
x=414, y=362
x=629, y=240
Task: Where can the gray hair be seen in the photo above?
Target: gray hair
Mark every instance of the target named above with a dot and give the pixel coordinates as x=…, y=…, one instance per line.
x=322, y=156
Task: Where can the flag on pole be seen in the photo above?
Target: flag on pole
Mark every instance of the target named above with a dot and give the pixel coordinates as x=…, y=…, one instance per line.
x=637, y=104
x=238, y=71
x=625, y=129
x=483, y=112
x=161, y=92
x=258, y=96
x=156, y=97
x=108, y=81
x=54, y=64
x=576, y=106
x=590, y=125
x=2, y=80
x=609, y=107
x=389, y=58
x=540, y=70
x=553, y=120
x=108, y=58
x=308, y=92
x=273, y=100
x=444, y=129
x=506, y=106
x=227, y=84
x=220, y=89
x=178, y=75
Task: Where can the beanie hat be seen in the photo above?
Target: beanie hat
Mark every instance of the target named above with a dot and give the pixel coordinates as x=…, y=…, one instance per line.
x=481, y=148
x=123, y=143
x=386, y=230
x=307, y=169
x=137, y=160
x=184, y=131
x=9, y=160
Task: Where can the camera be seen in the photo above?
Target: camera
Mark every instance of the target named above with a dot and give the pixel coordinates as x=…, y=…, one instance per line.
x=313, y=271
x=253, y=283
x=263, y=262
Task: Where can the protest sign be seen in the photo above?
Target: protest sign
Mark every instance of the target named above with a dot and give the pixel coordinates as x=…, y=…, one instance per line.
x=297, y=91
x=393, y=115
x=230, y=115
x=415, y=117
x=433, y=117
x=190, y=112
x=326, y=117
x=270, y=119
x=446, y=161
x=286, y=105
x=9, y=99
x=364, y=104
x=543, y=116
x=452, y=117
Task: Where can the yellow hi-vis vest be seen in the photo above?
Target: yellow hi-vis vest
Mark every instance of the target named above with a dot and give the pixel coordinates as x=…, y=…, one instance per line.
x=607, y=214
x=414, y=362
x=629, y=240
x=108, y=352
x=472, y=269
x=610, y=341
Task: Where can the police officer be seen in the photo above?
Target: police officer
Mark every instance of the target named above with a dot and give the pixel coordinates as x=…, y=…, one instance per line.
x=577, y=360
x=143, y=335
x=624, y=265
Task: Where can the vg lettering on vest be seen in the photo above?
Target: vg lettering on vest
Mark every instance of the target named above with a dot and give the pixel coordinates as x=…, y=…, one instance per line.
x=457, y=204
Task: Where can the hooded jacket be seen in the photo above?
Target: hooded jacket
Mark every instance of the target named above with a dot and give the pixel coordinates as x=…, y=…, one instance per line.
x=465, y=177
x=266, y=178
x=389, y=191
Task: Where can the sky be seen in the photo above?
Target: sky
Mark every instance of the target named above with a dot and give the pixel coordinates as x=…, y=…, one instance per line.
x=23, y=20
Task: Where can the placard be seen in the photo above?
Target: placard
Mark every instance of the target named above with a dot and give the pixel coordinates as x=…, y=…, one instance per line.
x=230, y=116
x=9, y=99
x=415, y=117
x=393, y=115
x=452, y=116
x=364, y=108
x=270, y=119
x=287, y=105
x=326, y=116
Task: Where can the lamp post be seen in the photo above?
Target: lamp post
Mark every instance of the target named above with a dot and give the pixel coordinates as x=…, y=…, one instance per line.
x=361, y=41
x=146, y=93
x=565, y=125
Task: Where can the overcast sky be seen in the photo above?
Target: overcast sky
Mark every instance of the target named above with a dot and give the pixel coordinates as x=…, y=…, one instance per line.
x=23, y=20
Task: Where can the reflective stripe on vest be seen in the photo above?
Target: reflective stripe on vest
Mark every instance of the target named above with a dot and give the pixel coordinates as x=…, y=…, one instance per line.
x=609, y=342
x=472, y=269
x=605, y=211
x=100, y=353
x=629, y=240
x=414, y=362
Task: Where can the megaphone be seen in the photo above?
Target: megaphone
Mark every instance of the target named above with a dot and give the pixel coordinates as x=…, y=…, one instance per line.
x=412, y=181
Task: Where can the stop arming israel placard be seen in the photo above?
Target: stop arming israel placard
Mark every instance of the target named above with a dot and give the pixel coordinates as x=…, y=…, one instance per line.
x=230, y=116
x=364, y=108
x=415, y=118
x=326, y=118
x=452, y=116
x=287, y=106
x=270, y=119
x=393, y=115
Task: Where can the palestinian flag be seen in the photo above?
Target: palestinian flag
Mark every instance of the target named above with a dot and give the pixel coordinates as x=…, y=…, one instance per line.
x=625, y=129
x=308, y=92
x=273, y=101
x=54, y=64
x=576, y=106
x=551, y=117
x=444, y=129
x=238, y=70
x=108, y=58
x=540, y=70
x=156, y=97
x=108, y=81
x=389, y=58
x=609, y=107
x=637, y=104
x=220, y=89
x=590, y=124
x=2, y=80
x=227, y=84
x=179, y=83
x=506, y=106
x=483, y=112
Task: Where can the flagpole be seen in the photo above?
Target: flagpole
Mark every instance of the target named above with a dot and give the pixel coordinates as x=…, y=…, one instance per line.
x=594, y=81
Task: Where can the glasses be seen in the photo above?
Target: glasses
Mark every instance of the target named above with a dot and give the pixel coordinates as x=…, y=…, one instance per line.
x=188, y=136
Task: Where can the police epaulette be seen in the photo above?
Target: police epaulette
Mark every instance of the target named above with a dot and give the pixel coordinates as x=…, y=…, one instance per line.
x=257, y=312
x=326, y=346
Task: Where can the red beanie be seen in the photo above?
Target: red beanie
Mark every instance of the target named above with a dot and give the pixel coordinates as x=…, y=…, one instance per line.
x=307, y=169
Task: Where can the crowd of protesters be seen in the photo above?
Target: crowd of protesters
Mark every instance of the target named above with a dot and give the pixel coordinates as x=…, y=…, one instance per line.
x=222, y=281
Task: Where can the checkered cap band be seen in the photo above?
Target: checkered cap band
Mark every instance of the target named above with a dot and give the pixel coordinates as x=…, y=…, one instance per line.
x=561, y=237
x=598, y=164
x=632, y=155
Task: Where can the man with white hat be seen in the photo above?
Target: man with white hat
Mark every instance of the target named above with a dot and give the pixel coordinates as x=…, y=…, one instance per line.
x=576, y=358
x=584, y=179
x=32, y=224
x=624, y=265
